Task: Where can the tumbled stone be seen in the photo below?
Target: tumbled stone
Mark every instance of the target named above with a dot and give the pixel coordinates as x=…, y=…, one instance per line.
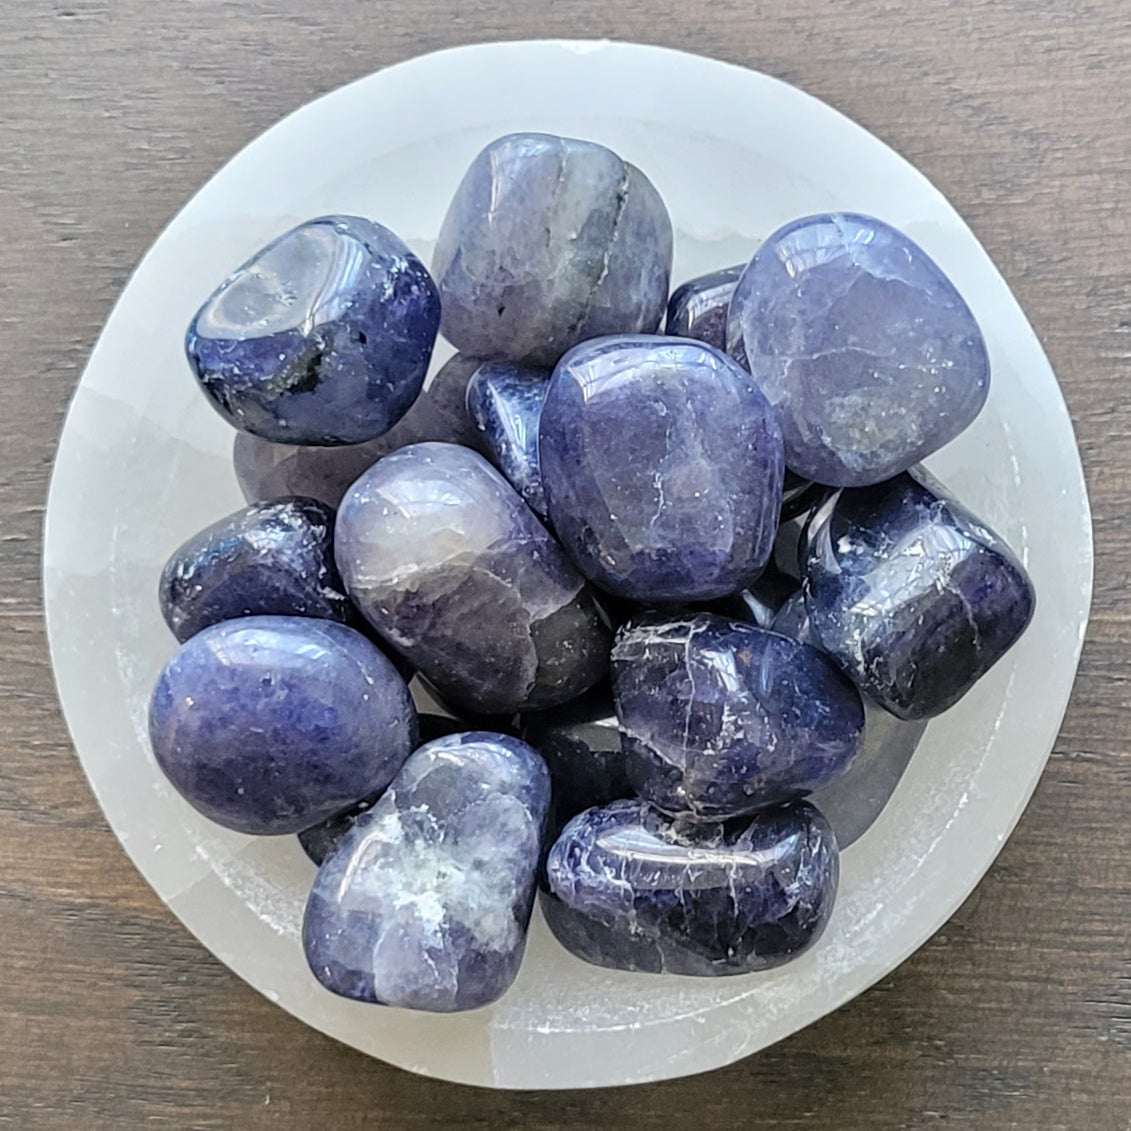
x=911, y=595
x=322, y=337
x=662, y=467
x=452, y=568
x=425, y=902
x=505, y=401
x=271, y=724
x=698, y=308
x=870, y=357
x=267, y=559
x=547, y=242
x=633, y=890
x=272, y=471
x=722, y=718
x=581, y=744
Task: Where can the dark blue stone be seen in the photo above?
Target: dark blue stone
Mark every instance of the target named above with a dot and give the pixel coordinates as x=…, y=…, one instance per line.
x=273, y=471
x=698, y=308
x=550, y=241
x=269, y=559
x=913, y=596
x=323, y=337
x=581, y=744
x=633, y=890
x=867, y=352
x=454, y=571
x=722, y=718
x=505, y=401
x=662, y=467
x=271, y=724
x=425, y=902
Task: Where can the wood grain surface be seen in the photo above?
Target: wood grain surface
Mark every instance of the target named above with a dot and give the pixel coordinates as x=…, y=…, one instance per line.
x=1016, y=1015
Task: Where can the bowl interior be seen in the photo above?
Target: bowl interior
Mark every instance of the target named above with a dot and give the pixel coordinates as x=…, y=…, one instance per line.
x=144, y=462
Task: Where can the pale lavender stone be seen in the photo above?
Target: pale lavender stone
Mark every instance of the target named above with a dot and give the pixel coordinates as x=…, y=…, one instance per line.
x=547, y=242
x=425, y=902
x=505, y=401
x=454, y=571
x=870, y=357
x=265, y=470
x=662, y=467
x=698, y=308
x=721, y=718
x=634, y=890
x=322, y=337
x=269, y=725
x=911, y=595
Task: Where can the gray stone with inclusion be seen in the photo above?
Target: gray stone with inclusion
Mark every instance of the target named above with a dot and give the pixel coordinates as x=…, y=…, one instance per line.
x=698, y=308
x=547, y=242
x=265, y=470
x=322, y=337
x=425, y=902
x=634, y=890
x=869, y=355
x=662, y=467
x=268, y=725
x=452, y=569
x=505, y=401
x=722, y=718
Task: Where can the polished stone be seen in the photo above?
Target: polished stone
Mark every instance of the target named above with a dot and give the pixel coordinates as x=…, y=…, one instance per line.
x=722, y=718
x=322, y=337
x=913, y=596
x=698, y=308
x=271, y=724
x=662, y=467
x=265, y=470
x=550, y=241
x=425, y=902
x=633, y=890
x=870, y=357
x=267, y=559
x=505, y=401
x=456, y=572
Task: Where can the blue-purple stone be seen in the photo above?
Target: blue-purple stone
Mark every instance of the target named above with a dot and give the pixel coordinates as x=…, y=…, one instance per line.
x=698, y=308
x=547, y=242
x=633, y=890
x=322, y=337
x=913, y=596
x=662, y=467
x=722, y=718
x=505, y=401
x=266, y=470
x=269, y=559
x=425, y=902
x=870, y=357
x=450, y=567
x=271, y=724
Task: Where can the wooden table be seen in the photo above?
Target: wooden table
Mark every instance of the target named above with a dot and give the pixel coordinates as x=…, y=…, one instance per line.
x=1017, y=1014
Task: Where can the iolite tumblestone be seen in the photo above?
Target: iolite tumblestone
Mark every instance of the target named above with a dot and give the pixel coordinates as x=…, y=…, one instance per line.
x=322, y=337
x=633, y=890
x=269, y=725
x=868, y=353
x=698, y=308
x=549, y=241
x=425, y=902
x=662, y=467
x=913, y=596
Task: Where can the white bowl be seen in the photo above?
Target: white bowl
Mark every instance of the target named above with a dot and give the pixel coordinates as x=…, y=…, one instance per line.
x=144, y=461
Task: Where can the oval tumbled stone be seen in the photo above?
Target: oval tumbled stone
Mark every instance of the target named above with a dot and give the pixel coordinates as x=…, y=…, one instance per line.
x=271, y=724
x=425, y=902
x=869, y=355
x=698, y=308
x=722, y=718
x=454, y=570
x=662, y=468
x=634, y=890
